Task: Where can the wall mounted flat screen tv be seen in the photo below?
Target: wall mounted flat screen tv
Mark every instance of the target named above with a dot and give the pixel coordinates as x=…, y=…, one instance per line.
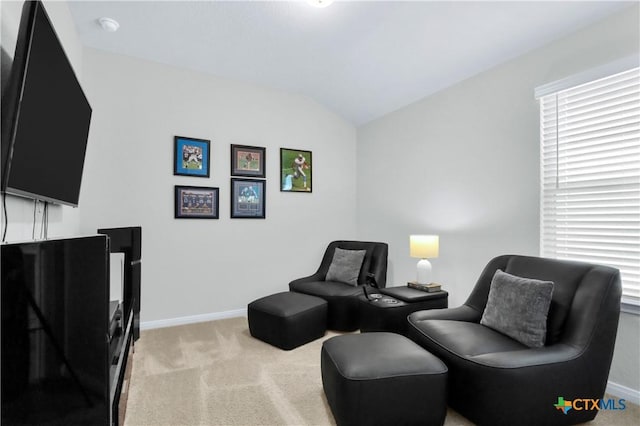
x=46, y=116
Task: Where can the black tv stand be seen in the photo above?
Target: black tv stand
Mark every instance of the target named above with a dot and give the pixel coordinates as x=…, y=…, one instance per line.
x=65, y=348
x=128, y=240
x=121, y=347
x=125, y=316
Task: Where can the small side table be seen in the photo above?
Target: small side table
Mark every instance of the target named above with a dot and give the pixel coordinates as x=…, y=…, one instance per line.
x=389, y=313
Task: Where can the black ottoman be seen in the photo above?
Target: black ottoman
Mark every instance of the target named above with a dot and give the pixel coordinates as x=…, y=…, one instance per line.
x=287, y=320
x=383, y=379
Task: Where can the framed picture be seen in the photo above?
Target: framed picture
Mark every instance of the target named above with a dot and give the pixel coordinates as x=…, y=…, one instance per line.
x=248, y=161
x=196, y=202
x=295, y=170
x=248, y=198
x=191, y=156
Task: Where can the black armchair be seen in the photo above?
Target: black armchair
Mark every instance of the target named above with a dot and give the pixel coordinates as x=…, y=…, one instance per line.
x=343, y=312
x=495, y=380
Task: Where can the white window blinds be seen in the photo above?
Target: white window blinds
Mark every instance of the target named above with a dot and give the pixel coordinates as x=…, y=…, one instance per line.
x=590, y=173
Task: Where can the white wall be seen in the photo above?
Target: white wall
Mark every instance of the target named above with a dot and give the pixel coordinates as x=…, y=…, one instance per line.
x=463, y=164
x=63, y=220
x=197, y=267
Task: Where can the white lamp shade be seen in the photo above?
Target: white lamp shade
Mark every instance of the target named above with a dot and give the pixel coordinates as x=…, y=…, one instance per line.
x=424, y=246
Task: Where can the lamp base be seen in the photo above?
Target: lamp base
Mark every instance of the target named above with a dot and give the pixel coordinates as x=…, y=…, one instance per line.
x=424, y=271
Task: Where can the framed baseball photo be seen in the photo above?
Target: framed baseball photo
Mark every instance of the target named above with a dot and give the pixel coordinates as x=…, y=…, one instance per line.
x=248, y=161
x=295, y=170
x=248, y=198
x=196, y=202
x=191, y=156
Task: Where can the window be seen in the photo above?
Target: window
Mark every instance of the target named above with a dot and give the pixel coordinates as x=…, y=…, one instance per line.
x=590, y=175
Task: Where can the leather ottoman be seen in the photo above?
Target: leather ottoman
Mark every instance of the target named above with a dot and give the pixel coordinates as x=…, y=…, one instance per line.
x=382, y=379
x=287, y=320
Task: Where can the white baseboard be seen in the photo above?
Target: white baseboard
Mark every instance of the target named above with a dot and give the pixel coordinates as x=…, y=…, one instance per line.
x=171, y=322
x=623, y=392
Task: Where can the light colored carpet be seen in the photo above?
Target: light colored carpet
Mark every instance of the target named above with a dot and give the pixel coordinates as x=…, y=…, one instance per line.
x=215, y=373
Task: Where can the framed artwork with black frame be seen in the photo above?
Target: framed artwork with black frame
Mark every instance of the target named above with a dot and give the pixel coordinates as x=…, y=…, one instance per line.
x=191, y=156
x=248, y=198
x=196, y=202
x=248, y=161
x=295, y=170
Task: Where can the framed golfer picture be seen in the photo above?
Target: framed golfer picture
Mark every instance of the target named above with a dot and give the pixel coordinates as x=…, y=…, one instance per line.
x=191, y=156
x=295, y=170
x=196, y=202
x=248, y=161
x=248, y=198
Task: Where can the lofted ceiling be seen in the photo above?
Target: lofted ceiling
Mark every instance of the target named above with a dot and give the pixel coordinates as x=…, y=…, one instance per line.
x=360, y=59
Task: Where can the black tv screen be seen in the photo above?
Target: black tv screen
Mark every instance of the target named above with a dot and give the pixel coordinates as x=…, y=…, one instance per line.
x=50, y=116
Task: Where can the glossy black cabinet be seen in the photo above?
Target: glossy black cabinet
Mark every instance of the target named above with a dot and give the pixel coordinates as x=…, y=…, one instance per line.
x=64, y=353
x=55, y=357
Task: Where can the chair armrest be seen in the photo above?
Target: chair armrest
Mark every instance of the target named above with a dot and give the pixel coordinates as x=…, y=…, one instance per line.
x=545, y=356
x=315, y=277
x=461, y=313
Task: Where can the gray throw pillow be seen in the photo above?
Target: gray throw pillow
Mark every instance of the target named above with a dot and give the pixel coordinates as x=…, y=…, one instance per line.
x=518, y=307
x=345, y=266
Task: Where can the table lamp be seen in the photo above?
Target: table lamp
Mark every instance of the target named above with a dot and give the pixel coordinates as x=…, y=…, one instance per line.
x=424, y=247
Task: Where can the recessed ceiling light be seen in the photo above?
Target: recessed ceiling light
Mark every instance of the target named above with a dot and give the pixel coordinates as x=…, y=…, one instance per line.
x=320, y=3
x=108, y=24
